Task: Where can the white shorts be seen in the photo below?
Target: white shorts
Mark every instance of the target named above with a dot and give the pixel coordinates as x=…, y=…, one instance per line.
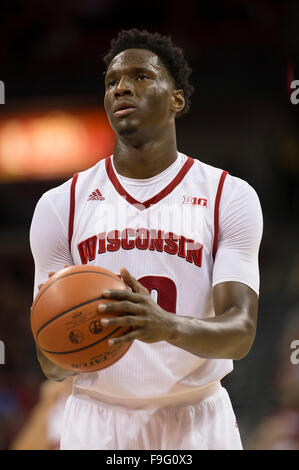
x=206, y=425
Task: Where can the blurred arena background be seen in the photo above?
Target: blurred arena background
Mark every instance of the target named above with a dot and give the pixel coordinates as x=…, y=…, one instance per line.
x=244, y=55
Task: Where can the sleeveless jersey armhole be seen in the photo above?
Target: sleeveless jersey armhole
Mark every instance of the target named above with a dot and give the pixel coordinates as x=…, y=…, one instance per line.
x=72, y=210
x=216, y=212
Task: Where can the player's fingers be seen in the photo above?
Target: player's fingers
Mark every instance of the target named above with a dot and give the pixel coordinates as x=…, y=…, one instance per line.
x=132, y=282
x=121, y=307
x=135, y=334
x=123, y=295
x=51, y=273
x=127, y=320
x=40, y=286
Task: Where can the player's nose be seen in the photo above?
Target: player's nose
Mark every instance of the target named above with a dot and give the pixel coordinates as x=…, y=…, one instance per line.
x=124, y=87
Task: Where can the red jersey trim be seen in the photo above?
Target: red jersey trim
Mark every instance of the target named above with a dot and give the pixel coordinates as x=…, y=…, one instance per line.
x=72, y=209
x=163, y=193
x=216, y=211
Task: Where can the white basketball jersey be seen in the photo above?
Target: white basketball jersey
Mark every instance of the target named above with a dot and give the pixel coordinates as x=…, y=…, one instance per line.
x=168, y=243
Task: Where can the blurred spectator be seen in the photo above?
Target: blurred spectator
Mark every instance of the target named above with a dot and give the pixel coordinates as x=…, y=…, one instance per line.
x=280, y=430
x=43, y=427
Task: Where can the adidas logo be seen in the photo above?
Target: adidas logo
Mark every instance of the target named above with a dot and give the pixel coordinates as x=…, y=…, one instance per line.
x=96, y=196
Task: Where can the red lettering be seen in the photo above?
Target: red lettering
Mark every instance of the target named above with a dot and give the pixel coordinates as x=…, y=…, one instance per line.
x=171, y=246
x=157, y=240
x=114, y=240
x=165, y=288
x=102, y=242
x=142, y=238
x=182, y=252
x=87, y=249
x=202, y=202
x=194, y=255
x=125, y=242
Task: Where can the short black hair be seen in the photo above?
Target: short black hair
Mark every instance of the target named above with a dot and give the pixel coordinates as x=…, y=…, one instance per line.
x=170, y=55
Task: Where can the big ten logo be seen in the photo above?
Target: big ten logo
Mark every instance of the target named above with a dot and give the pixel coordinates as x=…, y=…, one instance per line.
x=2, y=92
x=295, y=95
x=294, y=358
x=2, y=353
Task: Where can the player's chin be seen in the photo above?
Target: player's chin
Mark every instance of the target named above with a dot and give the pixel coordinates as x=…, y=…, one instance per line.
x=126, y=128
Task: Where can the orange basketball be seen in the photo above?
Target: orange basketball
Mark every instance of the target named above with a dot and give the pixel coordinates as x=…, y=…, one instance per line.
x=66, y=324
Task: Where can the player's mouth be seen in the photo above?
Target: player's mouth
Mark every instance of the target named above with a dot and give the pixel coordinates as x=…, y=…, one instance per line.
x=123, y=109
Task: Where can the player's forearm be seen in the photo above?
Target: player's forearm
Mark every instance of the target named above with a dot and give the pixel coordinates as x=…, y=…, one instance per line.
x=52, y=371
x=226, y=336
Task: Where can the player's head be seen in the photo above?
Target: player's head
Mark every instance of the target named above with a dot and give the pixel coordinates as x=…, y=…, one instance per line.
x=147, y=71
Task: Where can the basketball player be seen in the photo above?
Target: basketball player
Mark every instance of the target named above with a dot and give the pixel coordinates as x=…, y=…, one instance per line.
x=185, y=237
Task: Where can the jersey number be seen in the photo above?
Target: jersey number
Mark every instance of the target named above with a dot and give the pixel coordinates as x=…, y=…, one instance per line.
x=165, y=290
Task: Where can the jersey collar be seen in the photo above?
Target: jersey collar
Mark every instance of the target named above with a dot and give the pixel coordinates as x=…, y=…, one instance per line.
x=153, y=200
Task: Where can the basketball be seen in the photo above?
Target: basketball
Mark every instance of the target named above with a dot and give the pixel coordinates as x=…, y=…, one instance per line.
x=66, y=324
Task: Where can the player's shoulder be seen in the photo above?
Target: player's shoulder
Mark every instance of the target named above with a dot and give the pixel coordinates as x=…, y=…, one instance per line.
x=232, y=184
x=55, y=195
x=238, y=188
x=209, y=172
x=61, y=192
x=95, y=170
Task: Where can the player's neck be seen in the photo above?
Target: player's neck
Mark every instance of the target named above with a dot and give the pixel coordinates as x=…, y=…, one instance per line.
x=145, y=160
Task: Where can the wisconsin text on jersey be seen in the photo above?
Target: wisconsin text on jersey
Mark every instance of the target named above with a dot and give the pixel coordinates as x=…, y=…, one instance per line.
x=141, y=239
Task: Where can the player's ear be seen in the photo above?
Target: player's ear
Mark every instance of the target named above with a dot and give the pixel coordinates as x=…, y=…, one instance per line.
x=177, y=103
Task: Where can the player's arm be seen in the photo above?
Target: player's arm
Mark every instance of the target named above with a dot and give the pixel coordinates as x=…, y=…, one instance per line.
x=49, y=246
x=230, y=333
x=235, y=276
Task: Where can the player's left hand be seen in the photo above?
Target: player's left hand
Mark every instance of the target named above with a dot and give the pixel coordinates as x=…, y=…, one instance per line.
x=137, y=309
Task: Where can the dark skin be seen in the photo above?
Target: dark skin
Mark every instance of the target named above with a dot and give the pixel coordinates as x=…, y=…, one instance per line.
x=228, y=335
x=145, y=145
x=145, y=142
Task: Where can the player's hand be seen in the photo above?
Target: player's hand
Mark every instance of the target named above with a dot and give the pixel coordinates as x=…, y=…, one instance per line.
x=51, y=370
x=138, y=310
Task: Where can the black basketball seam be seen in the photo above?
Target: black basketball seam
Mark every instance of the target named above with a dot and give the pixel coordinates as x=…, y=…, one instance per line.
x=84, y=347
x=65, y=312
x=72, y=274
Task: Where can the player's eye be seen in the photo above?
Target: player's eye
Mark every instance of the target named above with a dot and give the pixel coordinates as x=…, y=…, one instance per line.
x=141, y=76
x=111, y=83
